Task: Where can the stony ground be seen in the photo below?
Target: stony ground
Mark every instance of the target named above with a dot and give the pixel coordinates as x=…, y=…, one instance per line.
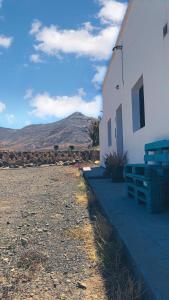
x=47, y=247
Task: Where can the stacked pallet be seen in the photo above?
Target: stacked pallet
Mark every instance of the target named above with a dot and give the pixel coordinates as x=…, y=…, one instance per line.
x=148, y=183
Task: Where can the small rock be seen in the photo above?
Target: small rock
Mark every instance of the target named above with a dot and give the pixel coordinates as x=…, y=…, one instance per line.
x=31, y=294
x=5, y=259
x=25, y=214
x=65, y=272
x=81, y=285
x=24, y=233
x=68, y=280
x=55, y=283
x=24, y=242
x=32, y=213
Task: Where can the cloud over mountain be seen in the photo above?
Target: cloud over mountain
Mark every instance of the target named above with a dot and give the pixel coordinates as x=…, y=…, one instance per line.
x=44, y=105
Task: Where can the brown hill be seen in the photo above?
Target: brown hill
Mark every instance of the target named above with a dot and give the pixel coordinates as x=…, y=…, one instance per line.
x=72, y=130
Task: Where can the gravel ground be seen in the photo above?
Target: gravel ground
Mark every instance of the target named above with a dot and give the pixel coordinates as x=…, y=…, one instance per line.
x=47, y=244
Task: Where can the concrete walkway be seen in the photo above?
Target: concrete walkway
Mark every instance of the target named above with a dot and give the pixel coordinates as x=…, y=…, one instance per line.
x=145, y=236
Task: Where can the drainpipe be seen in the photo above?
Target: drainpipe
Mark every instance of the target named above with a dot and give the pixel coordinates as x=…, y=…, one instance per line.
x=120, y=47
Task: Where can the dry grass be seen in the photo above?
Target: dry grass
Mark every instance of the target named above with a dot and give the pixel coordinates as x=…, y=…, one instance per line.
x=95, y=288
x=82, y=187
x=86, y=235
x=31, y=259
x=81, y=199
x=119, y=281
x=102, y=247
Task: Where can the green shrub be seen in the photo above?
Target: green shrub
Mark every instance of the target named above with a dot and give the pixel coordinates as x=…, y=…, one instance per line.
x=113, y=161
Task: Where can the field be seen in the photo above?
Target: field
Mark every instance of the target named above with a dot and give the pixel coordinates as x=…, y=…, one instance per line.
x=43, y=224
x=55, y=244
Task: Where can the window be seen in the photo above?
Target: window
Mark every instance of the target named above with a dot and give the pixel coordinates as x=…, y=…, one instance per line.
x=138, y=108
x=165, y=30
x=109, y=132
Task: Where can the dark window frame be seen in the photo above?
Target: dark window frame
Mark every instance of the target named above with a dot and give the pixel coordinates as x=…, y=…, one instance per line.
x=165, y=30
x=138, y=105
x=109, y=133
x=142, y=107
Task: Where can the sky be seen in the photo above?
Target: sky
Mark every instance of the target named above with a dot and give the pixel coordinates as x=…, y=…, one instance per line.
x=53, y=57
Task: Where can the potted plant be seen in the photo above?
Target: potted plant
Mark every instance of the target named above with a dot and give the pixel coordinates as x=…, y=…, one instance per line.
x=108, y=161
x=115, y=166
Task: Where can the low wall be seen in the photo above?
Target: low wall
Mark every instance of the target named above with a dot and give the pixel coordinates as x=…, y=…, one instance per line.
x=36, y=158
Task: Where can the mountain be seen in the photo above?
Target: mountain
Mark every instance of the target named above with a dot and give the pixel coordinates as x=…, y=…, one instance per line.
x=69, y=131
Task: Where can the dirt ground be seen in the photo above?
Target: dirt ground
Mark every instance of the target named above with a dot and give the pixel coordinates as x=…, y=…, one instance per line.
x=47, y=246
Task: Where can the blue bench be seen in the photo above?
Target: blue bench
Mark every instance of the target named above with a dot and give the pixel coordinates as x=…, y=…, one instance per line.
x=157, y=153
x=148, y=183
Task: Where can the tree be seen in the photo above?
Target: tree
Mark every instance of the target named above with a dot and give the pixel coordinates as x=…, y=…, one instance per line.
x=56, y=147
x=93, y=131
x=71, y=148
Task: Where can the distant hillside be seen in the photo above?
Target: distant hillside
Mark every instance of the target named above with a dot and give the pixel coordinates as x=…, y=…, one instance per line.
x=69, y=131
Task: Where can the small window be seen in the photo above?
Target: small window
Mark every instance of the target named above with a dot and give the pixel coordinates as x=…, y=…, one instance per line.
x=109, y=132
x=138, y=107
x=165, y=30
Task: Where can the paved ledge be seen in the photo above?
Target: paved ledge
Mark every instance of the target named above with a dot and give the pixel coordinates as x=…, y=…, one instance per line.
x=95, y=173
x=145, y=236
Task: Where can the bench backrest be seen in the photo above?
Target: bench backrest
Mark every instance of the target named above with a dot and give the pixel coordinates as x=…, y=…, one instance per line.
x=157, y=153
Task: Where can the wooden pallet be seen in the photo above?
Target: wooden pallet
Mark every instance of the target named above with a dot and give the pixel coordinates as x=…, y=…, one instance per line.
x=146, y=182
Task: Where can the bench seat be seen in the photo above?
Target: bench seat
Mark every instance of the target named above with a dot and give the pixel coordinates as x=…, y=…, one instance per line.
x=148, y=183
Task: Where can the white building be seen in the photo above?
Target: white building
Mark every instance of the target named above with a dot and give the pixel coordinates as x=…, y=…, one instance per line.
x=136, y=86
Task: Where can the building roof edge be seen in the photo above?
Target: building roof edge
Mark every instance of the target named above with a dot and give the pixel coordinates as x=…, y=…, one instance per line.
x=119, y=35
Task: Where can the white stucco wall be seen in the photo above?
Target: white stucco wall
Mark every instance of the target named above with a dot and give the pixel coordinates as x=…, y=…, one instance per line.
x=146, y=53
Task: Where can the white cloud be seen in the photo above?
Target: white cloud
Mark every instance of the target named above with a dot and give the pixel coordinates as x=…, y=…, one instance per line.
x=88, y=26
x=45, y=105
x=2, y=106
x=99, y=75
x=35, y=27
x=35, y=58
x=112, y=11
x=54, y=41
x=5, y=41
x=10, y=118
x=96, y=43
x=28, y=94
x=1, y=2
x=81, y=92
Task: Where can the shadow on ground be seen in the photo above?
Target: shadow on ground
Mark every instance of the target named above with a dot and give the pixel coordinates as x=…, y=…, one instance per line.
x=120, y=283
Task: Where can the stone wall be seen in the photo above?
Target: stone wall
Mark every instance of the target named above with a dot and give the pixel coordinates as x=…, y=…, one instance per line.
x=13, y=159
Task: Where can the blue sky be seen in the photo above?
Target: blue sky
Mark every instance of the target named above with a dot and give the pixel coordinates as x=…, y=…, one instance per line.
x=53, y=57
